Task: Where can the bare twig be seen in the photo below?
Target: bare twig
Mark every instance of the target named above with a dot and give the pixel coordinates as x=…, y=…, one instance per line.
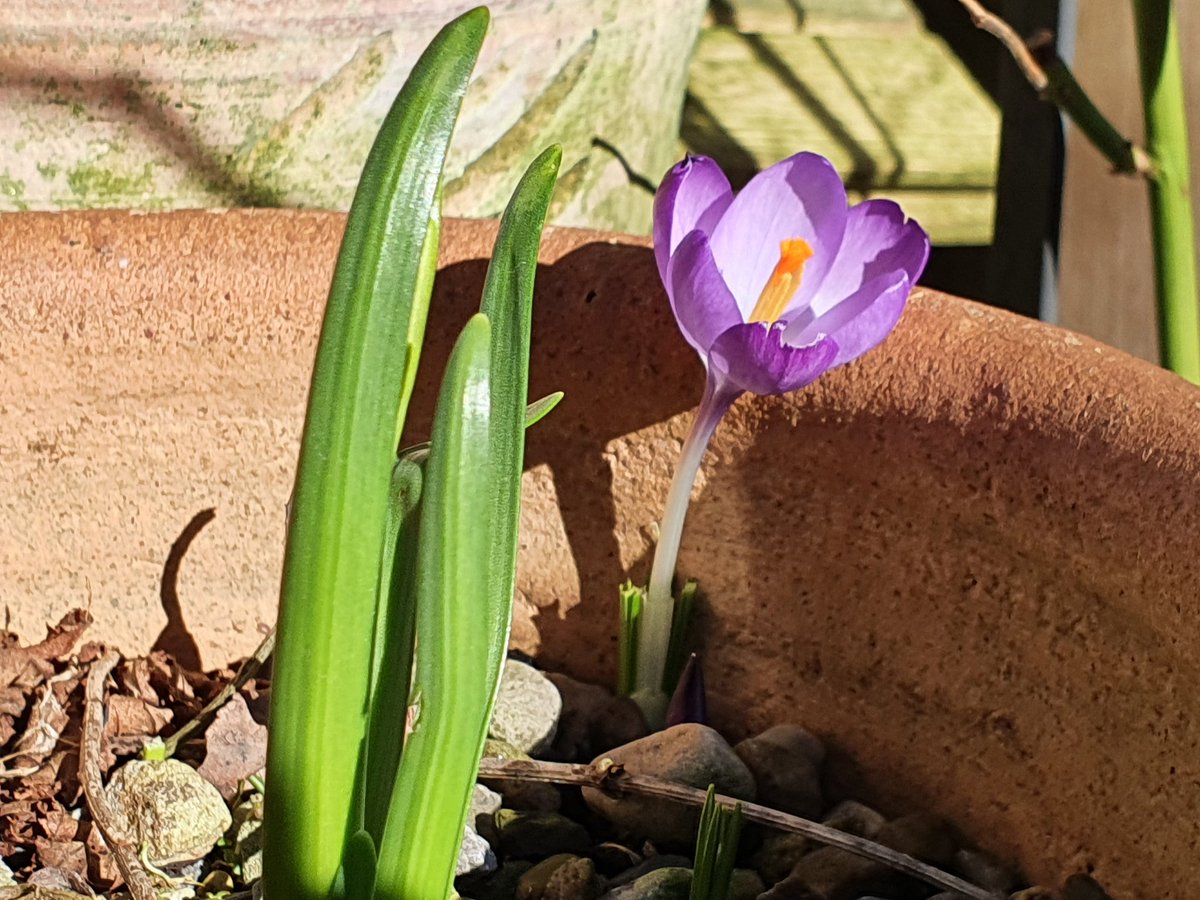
x=988, y=21
x=248, y=670
x=1049, y=75
x=125, y=854
x=612, y=779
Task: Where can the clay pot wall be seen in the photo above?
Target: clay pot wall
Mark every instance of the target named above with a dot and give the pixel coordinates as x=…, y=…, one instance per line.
x=969, y=560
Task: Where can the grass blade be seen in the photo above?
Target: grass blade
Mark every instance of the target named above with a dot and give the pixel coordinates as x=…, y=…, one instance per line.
x=453, y=685
x=539, y=409
x=631, y=600
x=716, y=849
x=677, y=647
x=392, y=657
x=365, y=358
x=508, y=304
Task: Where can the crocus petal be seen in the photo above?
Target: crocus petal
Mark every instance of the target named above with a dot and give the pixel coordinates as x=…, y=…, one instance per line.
x=701, y=301
x=859, y=322
x=693, y=195
x=800, y=197
x=753, y=356
x=878, y=242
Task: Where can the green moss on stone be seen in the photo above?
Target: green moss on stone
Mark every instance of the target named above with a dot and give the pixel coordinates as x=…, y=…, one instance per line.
x=94, y=184
x=13, y=190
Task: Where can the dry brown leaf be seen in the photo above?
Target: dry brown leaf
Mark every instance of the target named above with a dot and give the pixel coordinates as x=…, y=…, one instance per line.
x=46, y=722
x=237, y=748
x=134, y=716
x=16, y=661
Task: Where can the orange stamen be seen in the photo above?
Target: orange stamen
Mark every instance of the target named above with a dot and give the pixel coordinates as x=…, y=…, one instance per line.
x=784, y=281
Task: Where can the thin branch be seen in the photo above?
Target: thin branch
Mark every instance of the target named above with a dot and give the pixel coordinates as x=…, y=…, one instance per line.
x=1049, y=75
x=613, y=780
x=988, y=21
x=125, y=854
x=248, y=670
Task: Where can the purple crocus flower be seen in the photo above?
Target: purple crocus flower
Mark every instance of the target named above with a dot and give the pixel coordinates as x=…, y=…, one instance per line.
x=773, y=287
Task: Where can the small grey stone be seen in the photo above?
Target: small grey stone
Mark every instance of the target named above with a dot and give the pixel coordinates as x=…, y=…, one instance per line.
x=922, y=835
x=1034, y=893
x=166, y=807
x=575, y=880
x=786, y=764
x=833, y=874
x=853, y=817
x=691, y=754
x=475, y=855
x=989, y=874
x=829, y=873
x=484, y=802
x=612, y=858
x=534, y=835
x=661, y=884
x=247, y=830
x=779, y=853
x=484, y=805
x=527, y=708
x=1083, y=887
x=650, y=864
x=532, y=885
x=745, y=885
x=498, y=885
x=593, y=720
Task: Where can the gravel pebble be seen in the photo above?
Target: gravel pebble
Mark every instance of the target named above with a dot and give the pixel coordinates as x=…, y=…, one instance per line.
x=694, y=755
x=527, y=708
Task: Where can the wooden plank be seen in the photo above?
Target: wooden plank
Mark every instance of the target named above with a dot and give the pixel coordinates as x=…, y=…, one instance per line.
x=892, y=114
x=855, y=17
x=1106, y=276
x=952, y=218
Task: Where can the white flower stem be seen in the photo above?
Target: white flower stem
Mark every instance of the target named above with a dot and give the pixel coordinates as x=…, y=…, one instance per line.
x=655, y=624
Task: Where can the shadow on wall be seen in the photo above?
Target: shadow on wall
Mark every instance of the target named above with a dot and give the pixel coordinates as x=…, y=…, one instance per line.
x=125, y=102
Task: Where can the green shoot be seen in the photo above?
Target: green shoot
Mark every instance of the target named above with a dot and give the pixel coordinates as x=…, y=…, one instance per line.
x=716, y=849
x=631, y=599
x=677, y=648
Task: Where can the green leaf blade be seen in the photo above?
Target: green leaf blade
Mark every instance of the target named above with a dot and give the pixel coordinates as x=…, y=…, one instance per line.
x=365, y=359
x=392, y=657
x=453, y=687
x=508, y=304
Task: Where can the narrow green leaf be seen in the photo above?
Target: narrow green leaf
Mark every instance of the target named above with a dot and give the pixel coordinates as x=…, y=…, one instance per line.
x=631, y=600
x=365, y=357
x=391, y=675
x=716, y=849
x=534, y=413
x=508, y=304
x=358, y=873
x=453, y=687
x=677, y=647
x=731, y=836
x=539, y=409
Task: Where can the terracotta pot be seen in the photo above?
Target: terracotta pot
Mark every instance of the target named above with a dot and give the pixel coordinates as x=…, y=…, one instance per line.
x=969, y=560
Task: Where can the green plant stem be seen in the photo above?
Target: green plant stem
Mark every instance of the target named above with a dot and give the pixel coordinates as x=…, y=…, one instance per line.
x=1126, y=157
x=1170, y=192
x=1046, y=72
x=654, y=636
